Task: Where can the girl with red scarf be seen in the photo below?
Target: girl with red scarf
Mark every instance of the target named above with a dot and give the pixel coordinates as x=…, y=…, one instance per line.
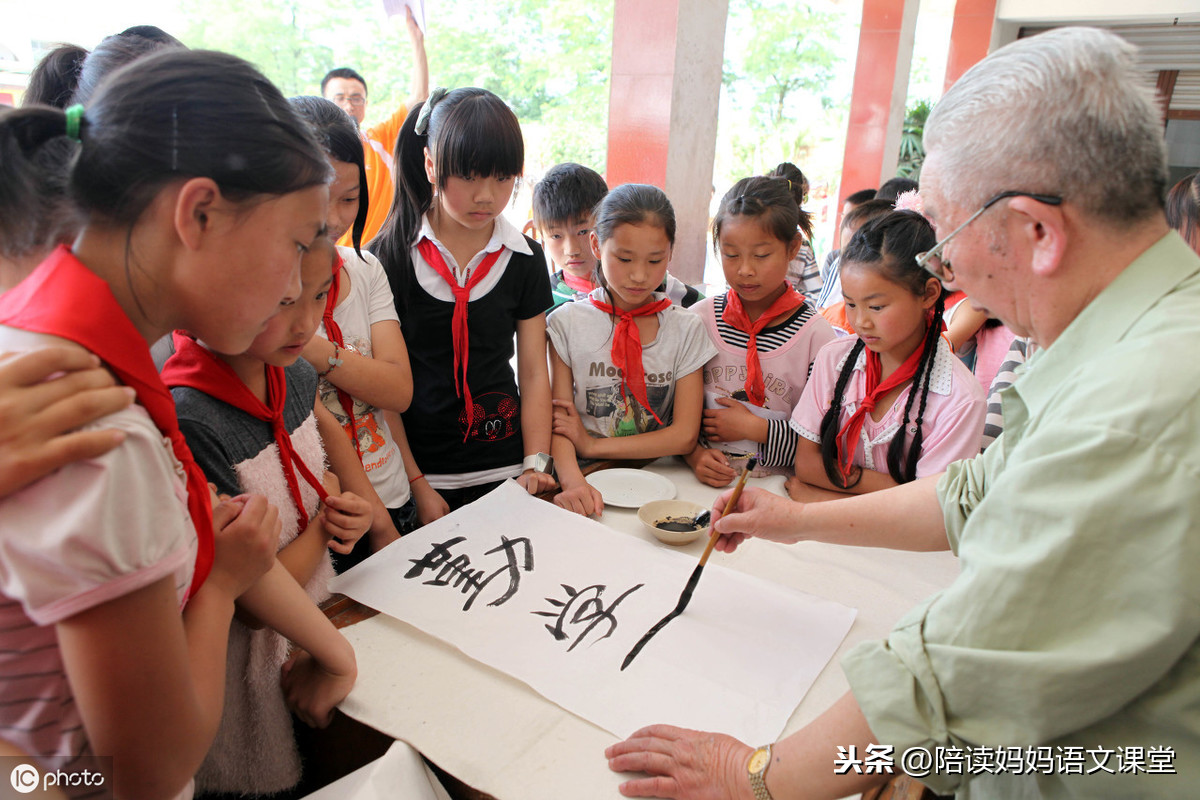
x=626, y=363
x=765, y=333
x=118, y=575
x=893, y=403
x=256, y=424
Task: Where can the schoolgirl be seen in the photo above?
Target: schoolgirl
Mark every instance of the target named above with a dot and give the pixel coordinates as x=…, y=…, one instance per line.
x=467, y=284
x=766, y=336
x=626, y=363
x=891, y=403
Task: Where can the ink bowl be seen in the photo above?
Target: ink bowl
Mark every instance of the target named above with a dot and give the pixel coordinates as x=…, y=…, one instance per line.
x=665, y=518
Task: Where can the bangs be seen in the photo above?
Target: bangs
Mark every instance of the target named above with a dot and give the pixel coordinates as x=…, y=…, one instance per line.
x=479, y=136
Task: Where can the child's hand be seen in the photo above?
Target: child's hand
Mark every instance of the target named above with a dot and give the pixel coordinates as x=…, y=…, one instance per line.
x=585, y=499
x=346, y=518
x=37, y=413
x=728, y=424
x=803, y=492
x=312, y=691
x=430, y=504
x=536, y=482
x=246, y=536
x=567, y=423
x=711, y=467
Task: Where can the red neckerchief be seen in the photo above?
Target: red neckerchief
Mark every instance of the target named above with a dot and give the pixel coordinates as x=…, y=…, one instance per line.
x=458, y=327
x=848, y=436
x=335, y=335
x=627, y=347
x=735, y=315
x=64, y=298
x=578, y=284
x=195, y=366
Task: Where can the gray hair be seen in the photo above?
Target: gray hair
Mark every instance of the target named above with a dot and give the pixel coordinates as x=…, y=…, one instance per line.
x=1065, y=112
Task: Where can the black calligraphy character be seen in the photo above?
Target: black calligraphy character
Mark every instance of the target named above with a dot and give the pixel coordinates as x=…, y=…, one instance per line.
x=456, y=571
x=583, y=607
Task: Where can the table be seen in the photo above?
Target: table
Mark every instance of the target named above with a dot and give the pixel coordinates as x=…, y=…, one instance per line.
x=497, y=735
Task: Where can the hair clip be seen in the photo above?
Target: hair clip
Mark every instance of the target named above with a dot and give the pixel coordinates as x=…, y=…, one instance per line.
x=435, y=97
x=74, y=121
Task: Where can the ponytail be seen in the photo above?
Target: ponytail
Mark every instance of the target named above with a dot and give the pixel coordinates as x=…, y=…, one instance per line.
x=35, y=208
x=468, y=131
x=831, y=423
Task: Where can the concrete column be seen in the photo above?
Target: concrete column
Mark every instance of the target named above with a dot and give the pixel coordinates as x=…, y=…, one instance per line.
x=662, y=113
x=970, y=36
x=881, y=72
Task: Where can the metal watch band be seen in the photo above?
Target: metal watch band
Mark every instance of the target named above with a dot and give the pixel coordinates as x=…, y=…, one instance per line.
x=758, y=780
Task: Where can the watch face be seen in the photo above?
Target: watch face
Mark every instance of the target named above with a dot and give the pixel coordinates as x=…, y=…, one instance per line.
x=758, y=761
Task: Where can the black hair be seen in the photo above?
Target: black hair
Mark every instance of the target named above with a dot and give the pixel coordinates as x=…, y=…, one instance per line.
x=890, y=245
x=567, y=191
x=795, y=178
x=895, y=187
x=53, y=80
x=337, y=132
x=860, y=197
x=113, y=53
x=153, y=33
x=768, y=199
x=470, y=132
x=866, y=212
x=36, y=212
x=346, y=73
x=634, y=204
x=172, y=115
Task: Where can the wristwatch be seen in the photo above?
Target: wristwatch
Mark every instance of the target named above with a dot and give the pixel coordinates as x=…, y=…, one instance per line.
x=757, y=767
x=539, y=462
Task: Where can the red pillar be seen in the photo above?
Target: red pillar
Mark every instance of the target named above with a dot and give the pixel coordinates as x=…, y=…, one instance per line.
x=870, y=105
x=970, y=37
x=643, y=74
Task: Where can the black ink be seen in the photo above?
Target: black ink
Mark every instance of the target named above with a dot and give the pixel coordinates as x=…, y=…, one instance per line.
x=456, y=571
x=588, y=607
x=684, y=599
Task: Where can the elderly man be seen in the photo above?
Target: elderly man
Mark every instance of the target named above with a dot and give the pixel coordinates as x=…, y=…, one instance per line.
x=348, y=89
x=1064, y=661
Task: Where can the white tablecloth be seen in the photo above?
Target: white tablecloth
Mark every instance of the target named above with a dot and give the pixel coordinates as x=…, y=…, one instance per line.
x=499, y=736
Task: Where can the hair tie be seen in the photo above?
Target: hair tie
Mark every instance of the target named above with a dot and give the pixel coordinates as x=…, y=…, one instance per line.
x=435, y=97
x=74, y=121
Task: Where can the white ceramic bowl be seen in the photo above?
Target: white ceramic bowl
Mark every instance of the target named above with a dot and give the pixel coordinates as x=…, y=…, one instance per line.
x=659, y=510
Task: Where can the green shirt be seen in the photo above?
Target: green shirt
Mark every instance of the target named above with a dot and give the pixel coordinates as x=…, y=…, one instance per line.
x=1073, y=625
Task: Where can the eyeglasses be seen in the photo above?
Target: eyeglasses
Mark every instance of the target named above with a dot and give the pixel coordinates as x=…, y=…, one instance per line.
x=356, y=100
x=932, y=261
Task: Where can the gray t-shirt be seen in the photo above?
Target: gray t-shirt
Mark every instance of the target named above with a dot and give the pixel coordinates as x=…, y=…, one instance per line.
x=583, y=336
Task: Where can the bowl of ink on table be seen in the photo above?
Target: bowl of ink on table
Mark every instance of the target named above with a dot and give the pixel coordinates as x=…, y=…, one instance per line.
x=675, y=522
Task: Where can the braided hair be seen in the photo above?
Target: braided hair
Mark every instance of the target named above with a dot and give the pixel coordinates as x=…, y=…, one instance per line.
x=891, y=245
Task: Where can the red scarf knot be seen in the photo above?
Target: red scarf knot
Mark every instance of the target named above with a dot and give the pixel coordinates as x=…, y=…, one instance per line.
x=334, y=332
x=459, y=332
x=627, y=348
x=197, y=367
x=736, y=316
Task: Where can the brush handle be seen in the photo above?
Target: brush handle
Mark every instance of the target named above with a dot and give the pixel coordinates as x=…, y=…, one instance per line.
x=733, y=498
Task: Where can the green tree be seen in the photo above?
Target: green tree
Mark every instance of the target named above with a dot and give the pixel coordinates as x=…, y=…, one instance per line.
x=912, y=140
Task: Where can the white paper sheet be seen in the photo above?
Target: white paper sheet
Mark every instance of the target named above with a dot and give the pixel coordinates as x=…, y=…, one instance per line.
x=738, y=660
x=395, y=8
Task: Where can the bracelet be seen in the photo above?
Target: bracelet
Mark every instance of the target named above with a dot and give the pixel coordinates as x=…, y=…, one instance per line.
x=411, y=481
x=334, y=362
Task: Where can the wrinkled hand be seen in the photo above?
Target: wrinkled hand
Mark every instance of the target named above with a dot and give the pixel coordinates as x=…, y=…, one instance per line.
x=585, y=499
x=711, y=467
x=683, y=764
x=346, y=518
x=758, y=513
x=728, y=424
x=567, y=423
x=312, y=691
x=246, y=536
x=536, y=482
x=37, y=415
x=430, y=503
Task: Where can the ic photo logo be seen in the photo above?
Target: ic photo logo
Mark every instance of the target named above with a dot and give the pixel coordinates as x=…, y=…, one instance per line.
x=24, y=778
